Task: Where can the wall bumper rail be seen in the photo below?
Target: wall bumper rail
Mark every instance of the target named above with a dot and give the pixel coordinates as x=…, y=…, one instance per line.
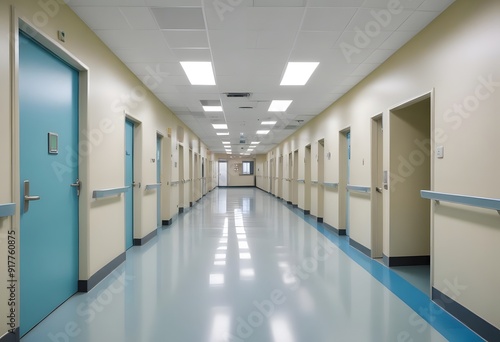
x=109, y=192
x=480, y=202
x=358, y=188
x=331, y=185
x=152, y=186
x=8, y=209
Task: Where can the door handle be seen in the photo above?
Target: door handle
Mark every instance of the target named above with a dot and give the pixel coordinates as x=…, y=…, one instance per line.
x=78, y=185
x=379, y=190
x=27, y=197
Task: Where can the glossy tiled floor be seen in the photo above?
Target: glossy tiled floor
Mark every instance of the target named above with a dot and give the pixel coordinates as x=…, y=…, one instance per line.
x=243, y=266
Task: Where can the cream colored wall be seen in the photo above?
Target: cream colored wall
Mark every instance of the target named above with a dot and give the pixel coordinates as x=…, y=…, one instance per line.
x=260, y=160
x=113, y=93
x=455, y=59
x=234, y=169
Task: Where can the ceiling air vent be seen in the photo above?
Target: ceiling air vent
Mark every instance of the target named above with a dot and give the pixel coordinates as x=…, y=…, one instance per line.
x=237, y=95
x=246, y=107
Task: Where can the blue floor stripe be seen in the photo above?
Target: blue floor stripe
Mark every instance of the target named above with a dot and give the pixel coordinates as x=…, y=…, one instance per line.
x=447, y=325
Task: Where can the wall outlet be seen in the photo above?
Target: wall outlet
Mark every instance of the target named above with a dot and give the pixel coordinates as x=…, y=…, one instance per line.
x=61, y=36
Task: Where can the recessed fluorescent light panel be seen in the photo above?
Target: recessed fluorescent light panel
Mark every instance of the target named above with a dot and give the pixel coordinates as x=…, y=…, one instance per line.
x=255, y=142
x=223, y=133
x=279, y=105
x=298, y=73
x=270, y=123
x=199, y=73
x=212, y=108
x=263, y=132
x=226, y=143
x=220, y=126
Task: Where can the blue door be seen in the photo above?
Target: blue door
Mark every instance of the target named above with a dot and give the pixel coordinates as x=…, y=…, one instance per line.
x=158, y=178
x=347, y=220
x=129, y=181
x=48, y=103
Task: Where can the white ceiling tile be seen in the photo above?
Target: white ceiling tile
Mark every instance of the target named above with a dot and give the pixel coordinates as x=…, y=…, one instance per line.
x=107, y=18
x=233, y=40
x=364, y=69
x=139, y=18
x=121, y=39
x=397, y=40
x=106, y=3
x=156, y=70
x=154, y=55
x=279, y=3
x=186, y=39
x=193, y=55
x=179, y=18
x=173, y=3
x=316, y=40
x=379, y=56
x=327, y=19
x=276, y=40
x=418, y=20
x=370, y=22
x=435, y=5
x=335, y=3
x=255, y=18
x=393, y=5
x=356, y=49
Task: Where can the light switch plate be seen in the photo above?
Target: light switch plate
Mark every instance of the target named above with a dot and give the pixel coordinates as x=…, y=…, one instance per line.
x=440, y=152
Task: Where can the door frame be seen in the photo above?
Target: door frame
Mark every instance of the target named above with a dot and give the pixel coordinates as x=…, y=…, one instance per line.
x=431, y=95
x=20, y=23
x=343, y=179
x=159, y=140
x=377, y=198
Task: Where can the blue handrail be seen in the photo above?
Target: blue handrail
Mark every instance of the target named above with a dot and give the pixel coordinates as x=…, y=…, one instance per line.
x=357, y=188
x=8, y=209
x=480, y=202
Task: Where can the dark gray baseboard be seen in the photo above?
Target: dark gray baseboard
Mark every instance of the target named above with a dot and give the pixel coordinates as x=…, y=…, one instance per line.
x=288, y=202
x=363, y=249
x=11, y=336
x=341, y=232
x=146, y=239
x=87, y=285
x=470, y=319
x=407, y=260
